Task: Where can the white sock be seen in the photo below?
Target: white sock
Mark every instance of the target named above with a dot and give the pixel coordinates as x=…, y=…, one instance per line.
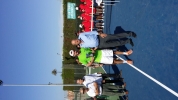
x=124, y=61
x=125, y=53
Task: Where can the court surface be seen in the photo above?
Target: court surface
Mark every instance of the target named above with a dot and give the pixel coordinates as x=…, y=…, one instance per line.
x=155, y=50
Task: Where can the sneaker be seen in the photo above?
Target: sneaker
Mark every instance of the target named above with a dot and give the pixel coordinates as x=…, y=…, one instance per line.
x=126, y=98
x=129, y=61
x=133, y=34
x=131, y=42
x=126, y=92
x=121, y=79
x=124, y=84
x=103, y=24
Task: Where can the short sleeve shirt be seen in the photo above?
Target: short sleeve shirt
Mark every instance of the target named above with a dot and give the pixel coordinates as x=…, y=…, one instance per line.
x=83, y=56
x=90, y=39
x=85, y=17
x=88, y=79
x=91, y=91
x=87, y=24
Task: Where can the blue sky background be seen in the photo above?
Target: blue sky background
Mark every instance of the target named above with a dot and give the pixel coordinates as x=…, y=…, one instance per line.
x=30, y=38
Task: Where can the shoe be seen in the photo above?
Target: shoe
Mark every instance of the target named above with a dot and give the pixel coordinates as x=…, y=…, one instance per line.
x=124, y=84
x=126, y=92
x=131, y=43
x=102, y=23
x=133, y=34
x=129, y=52
x=129, y=61
x=120, y=73
x=126, y=98
x=121, y=79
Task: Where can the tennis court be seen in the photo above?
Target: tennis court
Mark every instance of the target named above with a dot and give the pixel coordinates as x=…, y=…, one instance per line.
x=155, y=50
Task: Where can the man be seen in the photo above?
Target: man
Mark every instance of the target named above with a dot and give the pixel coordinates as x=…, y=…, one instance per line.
x=96, y=40
x=90, y=24
x=84, y=17
x=88, y=3
x=89, y=10
x=88, y=30
x=100, y=79
x=94, y=90
x=87, y=17
x=87, y=24
x=88, y=57
x=82, y=6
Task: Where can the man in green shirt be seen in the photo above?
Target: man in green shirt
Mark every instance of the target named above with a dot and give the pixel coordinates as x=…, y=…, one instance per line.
x=88, y=57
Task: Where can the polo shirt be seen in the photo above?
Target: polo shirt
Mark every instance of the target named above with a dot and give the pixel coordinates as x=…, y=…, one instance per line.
x=86, y=51
x=82, y=0
x=88, y=79
x=89, y=10
x=85, y=17
x=83, y=56
x=87, y=24
x=90, y=39
x=88, y=3
x=82, y=6
x=87, y=29
x=91, y=91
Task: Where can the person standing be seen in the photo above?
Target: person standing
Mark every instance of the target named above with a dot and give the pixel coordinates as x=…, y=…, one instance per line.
x=98, y=40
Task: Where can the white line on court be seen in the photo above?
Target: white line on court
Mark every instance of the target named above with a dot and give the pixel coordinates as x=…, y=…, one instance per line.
x=156, y=81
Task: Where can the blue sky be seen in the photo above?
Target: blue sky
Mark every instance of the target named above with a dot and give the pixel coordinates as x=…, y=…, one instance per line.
x=30, y=38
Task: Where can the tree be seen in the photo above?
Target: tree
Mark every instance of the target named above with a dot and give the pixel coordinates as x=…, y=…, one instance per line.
x=1, y=82
x=54, y=72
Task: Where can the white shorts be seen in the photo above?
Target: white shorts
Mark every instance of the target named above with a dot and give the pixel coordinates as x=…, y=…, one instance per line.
x=107, y=56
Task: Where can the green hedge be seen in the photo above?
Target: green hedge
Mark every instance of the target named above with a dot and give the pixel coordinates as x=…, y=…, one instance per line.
x=69, y=29
x=69, y=75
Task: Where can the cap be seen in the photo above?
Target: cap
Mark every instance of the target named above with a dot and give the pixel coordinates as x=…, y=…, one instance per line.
x=99, y=2
x=71, y=52
x=80, y=26
x=76, y=8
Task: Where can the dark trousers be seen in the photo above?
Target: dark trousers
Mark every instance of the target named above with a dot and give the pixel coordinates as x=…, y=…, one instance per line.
x=112, y=90
x=104, y=76
x=114, y=40
x=110, y=75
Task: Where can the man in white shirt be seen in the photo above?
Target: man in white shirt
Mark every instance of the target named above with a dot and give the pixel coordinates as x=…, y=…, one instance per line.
x=95, y=89
x=99, y=79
